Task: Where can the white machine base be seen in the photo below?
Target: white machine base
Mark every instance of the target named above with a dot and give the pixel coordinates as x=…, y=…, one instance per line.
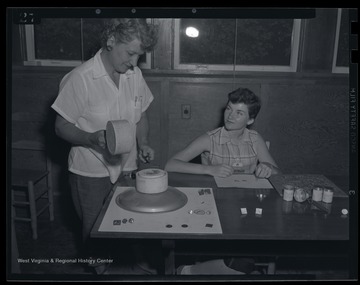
x=198, y=216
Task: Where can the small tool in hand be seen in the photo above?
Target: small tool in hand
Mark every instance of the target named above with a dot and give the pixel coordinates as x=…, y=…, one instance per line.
x=147, y=158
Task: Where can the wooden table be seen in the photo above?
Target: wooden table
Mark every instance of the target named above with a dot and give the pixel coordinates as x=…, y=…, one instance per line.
x=283, y=228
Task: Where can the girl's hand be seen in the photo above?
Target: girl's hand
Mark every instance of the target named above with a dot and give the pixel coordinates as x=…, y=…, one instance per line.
x=263, y=170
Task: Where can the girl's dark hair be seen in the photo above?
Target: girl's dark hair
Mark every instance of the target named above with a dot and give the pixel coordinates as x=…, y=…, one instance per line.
x=246, y=96
x=126, y=30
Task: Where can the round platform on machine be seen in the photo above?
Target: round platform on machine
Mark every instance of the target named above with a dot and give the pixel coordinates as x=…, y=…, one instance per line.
x=170, y=200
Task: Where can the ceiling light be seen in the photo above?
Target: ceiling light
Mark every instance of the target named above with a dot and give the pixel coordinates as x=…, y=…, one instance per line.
x=192, y=32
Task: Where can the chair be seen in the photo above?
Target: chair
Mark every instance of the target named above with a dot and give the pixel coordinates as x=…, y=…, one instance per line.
x=15, y=266
x=25, y=183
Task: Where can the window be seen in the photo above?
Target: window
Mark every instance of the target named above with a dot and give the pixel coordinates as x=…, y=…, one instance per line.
x=252, y=44
x=341, y=49
x=66, y=42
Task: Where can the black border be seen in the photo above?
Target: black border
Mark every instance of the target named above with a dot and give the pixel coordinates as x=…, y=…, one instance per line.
x=12, y=15
x=353, y=147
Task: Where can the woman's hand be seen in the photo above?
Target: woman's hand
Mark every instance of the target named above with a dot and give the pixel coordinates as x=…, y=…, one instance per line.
x=146, y=153
x=221, y=170
x=97, y=141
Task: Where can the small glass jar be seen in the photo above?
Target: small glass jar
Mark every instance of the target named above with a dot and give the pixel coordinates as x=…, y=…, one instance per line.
x=317, y=194
x=328, y=195
x=300, y=195
x=288, y=193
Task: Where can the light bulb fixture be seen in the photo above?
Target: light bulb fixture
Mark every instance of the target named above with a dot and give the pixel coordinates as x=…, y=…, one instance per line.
x=192, y=32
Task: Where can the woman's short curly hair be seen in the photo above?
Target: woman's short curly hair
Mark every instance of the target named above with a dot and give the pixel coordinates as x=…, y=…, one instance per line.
x=127, y=29
x=247, y=97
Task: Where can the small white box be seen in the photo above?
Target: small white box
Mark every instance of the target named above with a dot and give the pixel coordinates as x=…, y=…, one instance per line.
x=258, y=211
x=243, y=211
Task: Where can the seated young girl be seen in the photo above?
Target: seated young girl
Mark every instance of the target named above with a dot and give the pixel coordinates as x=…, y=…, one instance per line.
x=230, y=149
x=233, y=148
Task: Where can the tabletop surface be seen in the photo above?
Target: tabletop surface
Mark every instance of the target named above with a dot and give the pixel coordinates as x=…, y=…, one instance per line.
x=279, y=219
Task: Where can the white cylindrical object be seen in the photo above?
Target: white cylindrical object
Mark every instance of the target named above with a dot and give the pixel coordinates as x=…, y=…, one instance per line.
x=317, y=194
x=328, y=195
x=120, y=136
x=151, y=181
x=288, y=194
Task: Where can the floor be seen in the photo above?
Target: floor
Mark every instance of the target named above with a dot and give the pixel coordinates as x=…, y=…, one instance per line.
x=55, y=254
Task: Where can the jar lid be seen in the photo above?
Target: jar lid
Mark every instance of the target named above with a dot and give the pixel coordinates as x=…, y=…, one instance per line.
x=151, y=173
x=344, y=211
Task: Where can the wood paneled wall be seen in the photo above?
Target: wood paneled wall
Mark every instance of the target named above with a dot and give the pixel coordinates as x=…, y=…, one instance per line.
x=305, y=119
x=306, y=123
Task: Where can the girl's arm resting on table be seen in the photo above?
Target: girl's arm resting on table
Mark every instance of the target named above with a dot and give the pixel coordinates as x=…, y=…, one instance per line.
x=180, y=161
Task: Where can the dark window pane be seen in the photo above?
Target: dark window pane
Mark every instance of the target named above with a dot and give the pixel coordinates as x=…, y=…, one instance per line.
x=92, y=29
x=58, y=39
x=214, y=45
x=142, y=58
x=343, y=46
x=264, y=42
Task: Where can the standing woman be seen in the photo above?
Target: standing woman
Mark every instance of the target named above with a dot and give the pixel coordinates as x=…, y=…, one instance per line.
x=107, y=87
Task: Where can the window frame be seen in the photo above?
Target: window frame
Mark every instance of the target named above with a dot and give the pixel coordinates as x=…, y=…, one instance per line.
x=31, y=60
x=335, y=68
x=295, y=45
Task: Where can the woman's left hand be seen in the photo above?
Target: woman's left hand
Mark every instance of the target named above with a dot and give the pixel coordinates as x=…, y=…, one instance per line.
x=146, y=153
x=263, y=170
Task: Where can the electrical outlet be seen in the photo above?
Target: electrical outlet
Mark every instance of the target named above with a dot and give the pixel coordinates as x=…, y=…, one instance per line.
x=185, y=111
